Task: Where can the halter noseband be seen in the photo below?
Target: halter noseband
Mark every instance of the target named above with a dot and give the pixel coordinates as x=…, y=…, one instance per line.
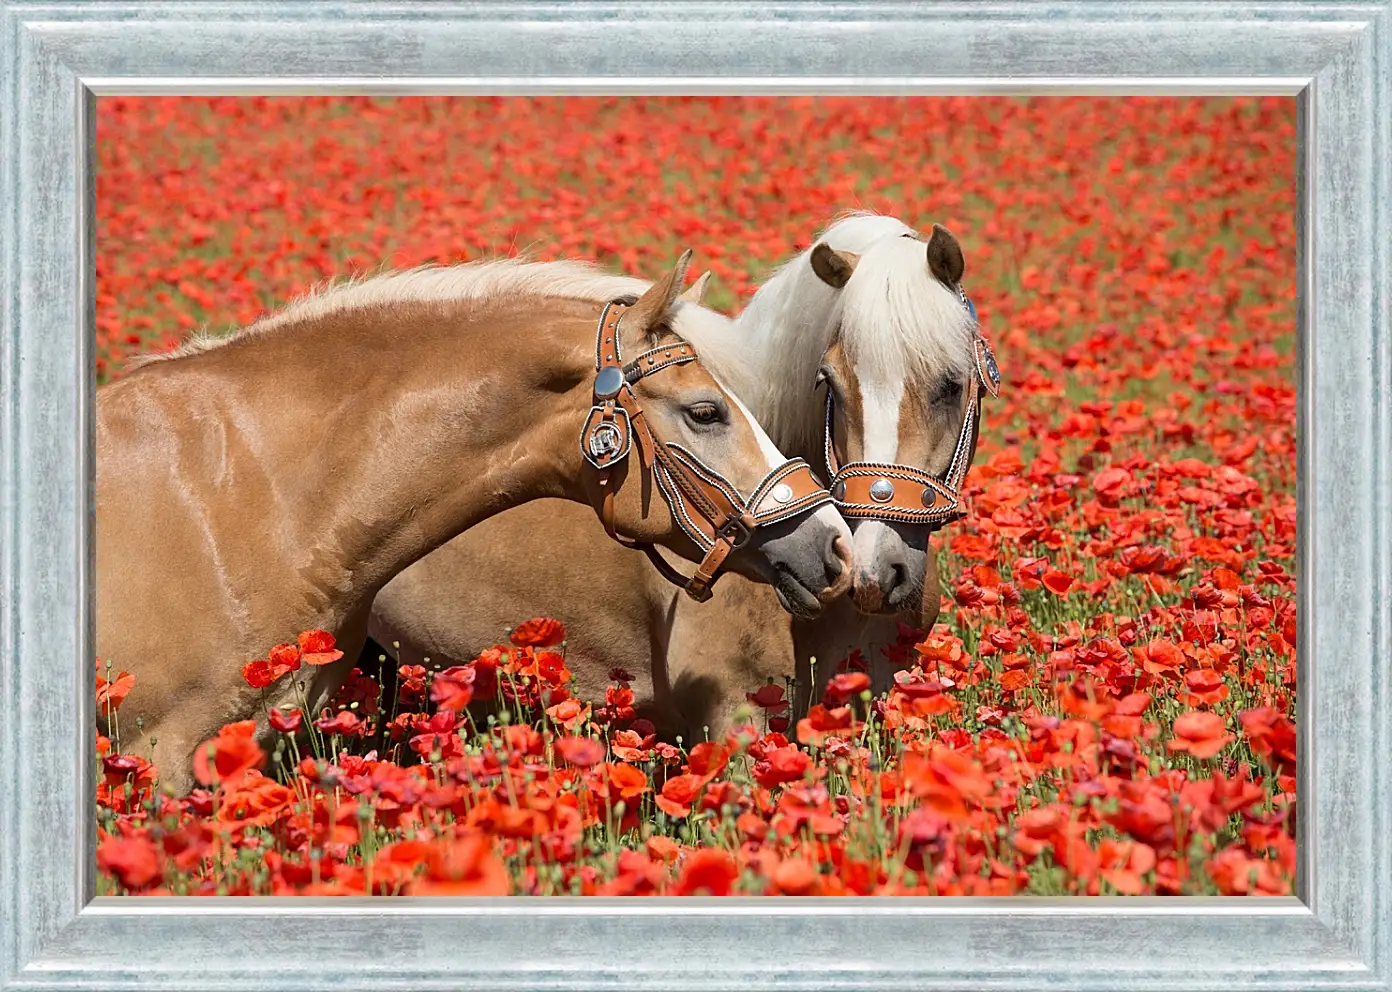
x=711, y=511
x=905, y=494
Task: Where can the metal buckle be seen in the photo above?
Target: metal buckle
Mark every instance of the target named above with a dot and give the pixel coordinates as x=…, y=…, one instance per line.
x=734, y=526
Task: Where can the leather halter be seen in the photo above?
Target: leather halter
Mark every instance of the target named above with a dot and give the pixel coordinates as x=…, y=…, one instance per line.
x=903, y=493
x=706, y=505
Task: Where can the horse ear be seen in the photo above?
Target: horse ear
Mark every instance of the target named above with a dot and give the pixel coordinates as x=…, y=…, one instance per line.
x=646, y=316
x=833, y=267
x=945, y=256
x=697, y=290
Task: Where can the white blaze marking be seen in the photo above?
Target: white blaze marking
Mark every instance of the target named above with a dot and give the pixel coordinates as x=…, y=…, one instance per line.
x=879, y=405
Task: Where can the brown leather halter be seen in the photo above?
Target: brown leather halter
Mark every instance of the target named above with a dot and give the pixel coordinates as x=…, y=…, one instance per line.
x=711, y=511
x=905, y=494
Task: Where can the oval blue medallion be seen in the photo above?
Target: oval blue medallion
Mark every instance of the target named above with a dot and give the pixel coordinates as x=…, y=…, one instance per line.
x=608, y=382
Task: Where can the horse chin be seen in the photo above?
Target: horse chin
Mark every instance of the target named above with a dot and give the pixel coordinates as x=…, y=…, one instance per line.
x=796, y=598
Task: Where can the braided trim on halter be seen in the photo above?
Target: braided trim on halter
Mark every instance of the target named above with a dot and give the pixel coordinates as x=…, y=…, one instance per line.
x=673, y=495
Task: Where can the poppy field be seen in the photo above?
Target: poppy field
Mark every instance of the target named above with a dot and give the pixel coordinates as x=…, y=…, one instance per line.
x=1106, y=705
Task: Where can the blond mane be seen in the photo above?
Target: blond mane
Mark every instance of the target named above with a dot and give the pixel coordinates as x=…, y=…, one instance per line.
x=892, y=311
x=426, y=284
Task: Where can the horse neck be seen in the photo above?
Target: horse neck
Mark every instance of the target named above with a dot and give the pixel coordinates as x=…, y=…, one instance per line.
x=788, y=323
x=441, y=416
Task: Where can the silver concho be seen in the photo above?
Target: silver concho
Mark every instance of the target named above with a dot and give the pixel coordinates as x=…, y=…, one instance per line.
x=782, y=493
x=929, y=498
x=882, y=490
x=605, y=440
x=608, y=382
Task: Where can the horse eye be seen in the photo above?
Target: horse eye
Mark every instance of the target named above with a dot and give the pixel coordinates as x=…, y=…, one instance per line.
x=949, y=391
x=704, y=414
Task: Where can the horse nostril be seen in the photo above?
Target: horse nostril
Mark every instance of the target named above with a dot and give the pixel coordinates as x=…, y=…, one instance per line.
x=838, y=558
x=893, y=580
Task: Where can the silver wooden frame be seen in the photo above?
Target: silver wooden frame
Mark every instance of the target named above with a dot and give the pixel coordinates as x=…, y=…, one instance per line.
x=1335, y=57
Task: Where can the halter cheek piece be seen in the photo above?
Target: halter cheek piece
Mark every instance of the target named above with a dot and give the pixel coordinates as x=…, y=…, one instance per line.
x=712, y=512
x=903, y=493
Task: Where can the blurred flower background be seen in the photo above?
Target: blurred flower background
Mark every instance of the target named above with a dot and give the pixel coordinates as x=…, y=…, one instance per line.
x=1107, y=702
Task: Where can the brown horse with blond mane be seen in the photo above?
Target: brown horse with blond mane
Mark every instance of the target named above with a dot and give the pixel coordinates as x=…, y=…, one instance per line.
x=273, y=481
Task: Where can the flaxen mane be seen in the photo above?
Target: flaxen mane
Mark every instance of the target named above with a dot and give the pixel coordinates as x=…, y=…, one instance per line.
x=892, y=312
x=469, y=281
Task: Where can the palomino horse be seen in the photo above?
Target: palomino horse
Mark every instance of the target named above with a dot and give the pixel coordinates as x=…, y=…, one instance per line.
x=894, y=342
x=273, y=481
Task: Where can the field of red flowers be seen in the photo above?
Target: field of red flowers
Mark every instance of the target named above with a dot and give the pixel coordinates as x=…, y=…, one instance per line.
x=1107, y=703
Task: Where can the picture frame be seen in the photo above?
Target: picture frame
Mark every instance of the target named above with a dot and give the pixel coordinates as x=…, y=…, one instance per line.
x=1336, y=59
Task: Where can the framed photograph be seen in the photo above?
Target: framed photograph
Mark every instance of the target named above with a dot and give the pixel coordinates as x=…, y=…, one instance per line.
x=690, y=495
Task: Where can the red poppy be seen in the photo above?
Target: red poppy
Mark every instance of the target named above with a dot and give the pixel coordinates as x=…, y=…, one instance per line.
x=796, y=877
x=111, y=694
x=678, y=794
x=1201, y=734
x=258, y=674
x=1236, y=873
x=410, y=682
x=1161, y=657
x=663, y=849
x=317, y=648
x=707, y=872
x=134, y=861
x=845, y=686
x=1205, y=687
x=629, y=782
x=255, y=800
x=779, y=765
x=569, y=714
x=1016, y=679
x=946, y=780
x=769, y=698
x=583, y=752
x=228, y=756
x=541, y=632
x=1111, y=483
x=708, y=759
x=344, y=723
x=285, y=721
x=436, y=733
x=453, y=689
x=466, y=867
x=1272, y=735
x=285, y=656
x=1125, y=864
x=822, y=723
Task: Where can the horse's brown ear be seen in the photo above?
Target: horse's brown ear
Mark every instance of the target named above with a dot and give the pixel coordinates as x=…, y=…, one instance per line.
x=697, y=290
x=945, y=256
x=646, y=316
x=833, y=267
